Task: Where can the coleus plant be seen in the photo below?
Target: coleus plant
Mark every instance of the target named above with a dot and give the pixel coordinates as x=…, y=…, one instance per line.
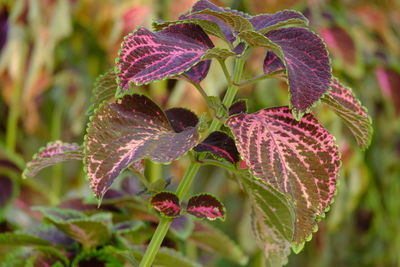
x=282, y=157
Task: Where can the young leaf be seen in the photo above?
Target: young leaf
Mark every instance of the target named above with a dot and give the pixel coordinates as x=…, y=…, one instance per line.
x=181, y=119
x=122, y=133
x=238, y=107
x=342, y=100
x=307, y=64
x=148, y=56
x=298, y=158
x=220, y=145
x=53, y=153
x=206, y=206
x=264, y=23
x=167, y=203
x=104, y=89
x=213, y=240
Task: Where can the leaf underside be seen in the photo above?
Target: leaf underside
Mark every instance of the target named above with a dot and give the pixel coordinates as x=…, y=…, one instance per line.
x=148, y=56
x=206, y=206
x=298, y=158
x=238, y=107
x=104, y=89
x=54, y=152
x=122, y=133
x=342, y=100
x=167, y=203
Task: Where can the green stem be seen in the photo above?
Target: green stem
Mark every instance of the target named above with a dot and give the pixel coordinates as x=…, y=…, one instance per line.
x=191, y=172
x=153, y=171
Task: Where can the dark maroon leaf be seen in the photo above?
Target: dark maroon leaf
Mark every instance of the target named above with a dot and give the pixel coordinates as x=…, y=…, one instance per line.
x=125, y=132
x=181, y=119
x=167, y=203
x=220, y=145
x=51, y=234
x=199, y=72
x=3, y=27
x=206, y=206
x=272, y=63
x=53, y=153
x=238, y=107
x=298, y=158
x=148, y=56
x=307, y=64
x=263, y=21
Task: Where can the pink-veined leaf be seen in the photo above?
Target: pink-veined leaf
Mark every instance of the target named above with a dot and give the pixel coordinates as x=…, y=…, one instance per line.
x=263, y=22
x=206, y=206
x=127, y=131
x=342, y=100
x=298, y=158
x=53, y=153
x=220, y=145
x=199, y=72
x=272, y=63
x=148, y=56
x=167, y=203
x=238, y=107
x=307, y=63
x=181, y=119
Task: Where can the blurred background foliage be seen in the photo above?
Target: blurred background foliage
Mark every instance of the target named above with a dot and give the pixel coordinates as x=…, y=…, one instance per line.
x=53, y=50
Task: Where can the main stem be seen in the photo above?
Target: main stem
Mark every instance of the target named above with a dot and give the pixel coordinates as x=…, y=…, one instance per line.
x=191, y=172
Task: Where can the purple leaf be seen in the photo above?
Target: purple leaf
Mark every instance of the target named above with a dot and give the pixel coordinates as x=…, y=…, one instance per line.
x=307, y=64
x=181, y=119
x=125, y=132
x=282, y=18
x=199, y=72
x=167, y=203
x=389, y=81
x=53, y=153
x=206, y=206
x=272, y=63
x=342, y=100
x=238, y=107
x=298, y=158
x=3, y=27
x=220, y=145
x=148, y=56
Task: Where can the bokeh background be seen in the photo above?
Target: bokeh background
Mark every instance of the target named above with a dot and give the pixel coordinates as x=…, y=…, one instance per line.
x=51, y=52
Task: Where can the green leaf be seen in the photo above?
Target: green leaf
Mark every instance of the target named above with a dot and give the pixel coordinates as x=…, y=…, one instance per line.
x=236, y=22
x=256, y=39
x=215, y=241
x=342, y=100
x=289, y=22
x=50, y=255
x=90, y=231
x=218, y=53
x=273, y=219
x=17, y=239
x=209, y=27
